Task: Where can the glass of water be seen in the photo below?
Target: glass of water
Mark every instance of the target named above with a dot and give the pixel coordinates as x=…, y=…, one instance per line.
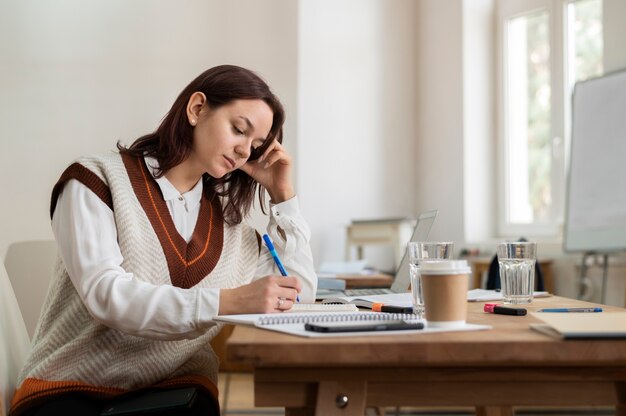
x=420, y=252
x=517, y=271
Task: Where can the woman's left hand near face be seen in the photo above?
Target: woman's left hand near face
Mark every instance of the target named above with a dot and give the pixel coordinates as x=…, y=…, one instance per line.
x=273, y=171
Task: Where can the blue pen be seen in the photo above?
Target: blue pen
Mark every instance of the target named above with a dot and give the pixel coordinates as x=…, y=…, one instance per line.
x=570, y=310
x=270, y=247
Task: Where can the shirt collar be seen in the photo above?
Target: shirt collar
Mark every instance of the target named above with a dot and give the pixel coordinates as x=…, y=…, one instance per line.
x=168, y=190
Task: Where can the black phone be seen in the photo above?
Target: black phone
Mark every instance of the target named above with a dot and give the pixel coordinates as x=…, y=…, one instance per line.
x=394, y=325
x=152, y=401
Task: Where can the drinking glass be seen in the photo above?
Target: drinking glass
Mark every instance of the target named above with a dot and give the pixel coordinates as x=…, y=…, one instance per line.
x=517, y=271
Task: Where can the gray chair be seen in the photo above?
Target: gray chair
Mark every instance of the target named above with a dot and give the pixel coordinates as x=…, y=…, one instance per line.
x=14, y=341
x=29, y=266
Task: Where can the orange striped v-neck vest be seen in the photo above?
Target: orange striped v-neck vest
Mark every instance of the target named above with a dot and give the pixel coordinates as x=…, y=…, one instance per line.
x=73, y=352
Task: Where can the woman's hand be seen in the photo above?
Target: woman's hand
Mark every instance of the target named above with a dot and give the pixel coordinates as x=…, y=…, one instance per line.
x=273, y=171
x=265, y=295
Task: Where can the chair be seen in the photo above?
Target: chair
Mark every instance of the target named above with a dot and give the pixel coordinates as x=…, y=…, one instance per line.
x=14, y=341
x=493, y=277
x=29, y=266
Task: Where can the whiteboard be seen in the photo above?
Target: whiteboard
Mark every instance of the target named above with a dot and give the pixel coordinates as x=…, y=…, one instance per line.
x=595, y=217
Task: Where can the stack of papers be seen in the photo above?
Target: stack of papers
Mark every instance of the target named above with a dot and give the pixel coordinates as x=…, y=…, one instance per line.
x=404, y=299
x=342, y=267
x=320, y=307
x=481, y=295
x=389, y=299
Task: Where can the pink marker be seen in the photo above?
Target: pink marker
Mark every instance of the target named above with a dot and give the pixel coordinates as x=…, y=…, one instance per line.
x=503, y=310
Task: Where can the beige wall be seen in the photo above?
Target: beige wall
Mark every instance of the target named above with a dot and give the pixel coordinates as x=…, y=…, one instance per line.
x=356, y=116
x=79, y=75
x=439, y=116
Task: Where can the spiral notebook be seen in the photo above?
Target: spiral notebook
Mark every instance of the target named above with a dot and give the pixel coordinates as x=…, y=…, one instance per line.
x=293, y=323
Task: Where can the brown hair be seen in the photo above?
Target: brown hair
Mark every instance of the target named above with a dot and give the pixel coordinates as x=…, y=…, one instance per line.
x=172, y=142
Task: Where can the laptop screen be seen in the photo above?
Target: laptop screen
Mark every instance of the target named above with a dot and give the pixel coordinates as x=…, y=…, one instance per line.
x=422, y=229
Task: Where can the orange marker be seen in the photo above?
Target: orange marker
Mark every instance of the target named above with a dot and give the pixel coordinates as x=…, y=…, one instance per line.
x=381, y=307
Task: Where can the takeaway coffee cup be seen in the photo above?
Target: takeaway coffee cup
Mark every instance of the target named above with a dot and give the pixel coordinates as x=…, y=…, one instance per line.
x=419, y=252
x=444, y=286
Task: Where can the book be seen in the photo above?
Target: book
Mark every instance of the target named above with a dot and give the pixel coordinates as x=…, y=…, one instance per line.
x=293, y=323
x=319, y=307
x=581, y=325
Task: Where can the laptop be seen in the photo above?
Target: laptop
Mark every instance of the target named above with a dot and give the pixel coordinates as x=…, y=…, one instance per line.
x=401, y=280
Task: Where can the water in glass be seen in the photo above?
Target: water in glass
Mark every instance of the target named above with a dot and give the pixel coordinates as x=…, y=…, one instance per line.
x=517, y=277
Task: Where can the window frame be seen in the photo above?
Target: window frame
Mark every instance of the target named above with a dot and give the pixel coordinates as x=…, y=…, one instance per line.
x=557, y=14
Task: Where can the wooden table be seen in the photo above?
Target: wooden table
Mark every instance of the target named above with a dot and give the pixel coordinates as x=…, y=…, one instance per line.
x=510, y=365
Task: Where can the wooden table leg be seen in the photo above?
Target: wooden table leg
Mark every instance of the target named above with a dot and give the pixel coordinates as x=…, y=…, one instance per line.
x=341, y=398
x=620, y=389
x=494, y=411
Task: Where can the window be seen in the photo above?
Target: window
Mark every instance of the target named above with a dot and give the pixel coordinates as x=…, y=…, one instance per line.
x=546, y=46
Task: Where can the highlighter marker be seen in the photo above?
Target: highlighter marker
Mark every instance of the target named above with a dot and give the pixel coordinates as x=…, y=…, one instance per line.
x=503, y=310
x=380, y=307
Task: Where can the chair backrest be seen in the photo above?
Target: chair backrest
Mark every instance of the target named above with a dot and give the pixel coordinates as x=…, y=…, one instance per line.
x=14, y=341
x=29, y=265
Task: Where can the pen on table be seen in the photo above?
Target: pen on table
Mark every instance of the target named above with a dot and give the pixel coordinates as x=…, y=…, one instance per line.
x=381, y=307
x=503, y=310
x=270, y=247
x=570, y=310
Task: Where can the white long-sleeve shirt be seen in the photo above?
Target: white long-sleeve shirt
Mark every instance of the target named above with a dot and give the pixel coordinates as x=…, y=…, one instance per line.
x=85, y=230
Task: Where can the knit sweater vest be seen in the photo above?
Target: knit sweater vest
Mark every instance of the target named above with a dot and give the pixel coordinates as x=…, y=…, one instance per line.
x=73, y=352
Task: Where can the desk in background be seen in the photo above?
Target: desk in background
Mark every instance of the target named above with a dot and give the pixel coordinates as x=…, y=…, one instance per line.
x=374, y=280
x=492, y=370
x=394, y=232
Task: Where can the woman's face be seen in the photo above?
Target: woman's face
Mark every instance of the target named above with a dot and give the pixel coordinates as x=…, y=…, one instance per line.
x=224, y=137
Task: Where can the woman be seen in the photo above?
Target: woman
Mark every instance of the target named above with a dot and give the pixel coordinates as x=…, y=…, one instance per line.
x=153, y=246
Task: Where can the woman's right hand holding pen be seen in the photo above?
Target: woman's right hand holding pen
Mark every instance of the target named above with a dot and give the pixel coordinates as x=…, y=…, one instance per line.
x=266, y=295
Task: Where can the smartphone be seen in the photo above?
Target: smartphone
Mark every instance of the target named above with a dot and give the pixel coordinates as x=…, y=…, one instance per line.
x=395, y=325
x=152, y=401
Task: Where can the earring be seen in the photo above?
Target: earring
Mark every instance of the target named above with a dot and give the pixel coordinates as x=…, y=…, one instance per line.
x=193, y=122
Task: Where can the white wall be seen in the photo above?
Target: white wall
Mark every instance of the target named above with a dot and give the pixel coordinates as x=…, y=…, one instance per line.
x=439, y=153
x=356, y=115
x=455, y=158
x=479, y=141
x=78, y=75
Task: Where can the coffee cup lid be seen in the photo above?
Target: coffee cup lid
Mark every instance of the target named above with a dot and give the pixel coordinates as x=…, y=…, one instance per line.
x=445, y=267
